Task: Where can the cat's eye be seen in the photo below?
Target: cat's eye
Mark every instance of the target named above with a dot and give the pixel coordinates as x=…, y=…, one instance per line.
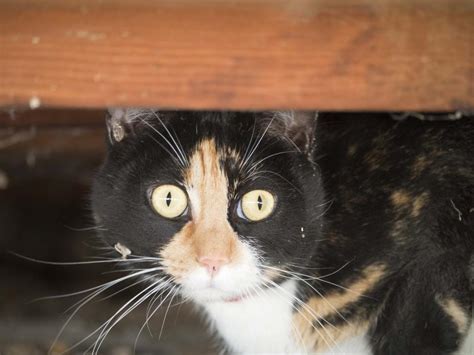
x=256, y=205
x=169, y=201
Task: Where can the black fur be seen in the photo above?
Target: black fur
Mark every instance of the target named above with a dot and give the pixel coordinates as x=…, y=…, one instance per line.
x=431, y=255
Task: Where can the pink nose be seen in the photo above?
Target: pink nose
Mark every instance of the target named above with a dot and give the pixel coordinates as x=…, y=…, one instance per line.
x=213, y=264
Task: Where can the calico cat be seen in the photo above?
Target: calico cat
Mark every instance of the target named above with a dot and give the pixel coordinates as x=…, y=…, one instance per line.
x=298, y=234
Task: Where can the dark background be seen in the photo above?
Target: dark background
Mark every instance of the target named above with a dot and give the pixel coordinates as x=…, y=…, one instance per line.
x=45, y=176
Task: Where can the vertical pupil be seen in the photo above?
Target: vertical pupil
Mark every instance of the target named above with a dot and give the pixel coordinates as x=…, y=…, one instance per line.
x=168, y=199
x=259, y=202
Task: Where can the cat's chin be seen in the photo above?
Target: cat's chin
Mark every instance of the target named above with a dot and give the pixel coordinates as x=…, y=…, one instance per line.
x=213, y=295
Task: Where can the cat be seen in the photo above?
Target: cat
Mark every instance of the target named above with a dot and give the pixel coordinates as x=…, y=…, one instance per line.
x=298, y=232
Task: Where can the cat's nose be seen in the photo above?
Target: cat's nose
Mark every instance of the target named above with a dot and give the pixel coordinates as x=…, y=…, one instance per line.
x=213, y=264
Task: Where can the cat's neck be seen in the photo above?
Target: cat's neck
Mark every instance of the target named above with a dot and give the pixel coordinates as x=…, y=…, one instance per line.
x=257, y=322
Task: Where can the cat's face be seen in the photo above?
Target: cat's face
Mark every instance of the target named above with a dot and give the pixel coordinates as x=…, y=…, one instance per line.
x=223, y=201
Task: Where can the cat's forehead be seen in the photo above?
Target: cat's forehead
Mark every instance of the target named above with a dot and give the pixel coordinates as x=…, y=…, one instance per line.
x=211, y=146
x=206, y=181
x=245, y=148
x=209, y=168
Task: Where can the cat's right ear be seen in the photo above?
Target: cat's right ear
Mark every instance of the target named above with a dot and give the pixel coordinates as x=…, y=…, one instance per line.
x=299, y=127
x=125, y=122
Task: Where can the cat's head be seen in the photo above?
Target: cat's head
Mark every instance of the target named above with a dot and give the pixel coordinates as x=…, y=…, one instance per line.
x=218, y=203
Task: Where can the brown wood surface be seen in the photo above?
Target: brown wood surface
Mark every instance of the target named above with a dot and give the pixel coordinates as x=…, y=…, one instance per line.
x=241, y=54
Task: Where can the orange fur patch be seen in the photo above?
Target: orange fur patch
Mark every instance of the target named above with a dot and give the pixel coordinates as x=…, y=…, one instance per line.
x=209, y=233
x=321, y=307
x=404, y=201
x=418, y=203
x=419, y=166
x=400, y=198
x=454, y=310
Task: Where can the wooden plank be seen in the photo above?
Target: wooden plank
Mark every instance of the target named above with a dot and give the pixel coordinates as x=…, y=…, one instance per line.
x=324, y=54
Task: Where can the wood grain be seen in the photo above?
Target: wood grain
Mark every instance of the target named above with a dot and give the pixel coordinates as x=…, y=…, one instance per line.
x=323, y=54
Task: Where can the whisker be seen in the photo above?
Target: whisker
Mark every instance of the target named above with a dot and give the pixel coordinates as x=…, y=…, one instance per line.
x=255, y=165
x=88, y=298
x=257, y=144
x=180, y=150
x=167, y=309
x=86, y=229
x=293, y=325
x=117, y=281
x=173, y=157
x=330, y=202
x=249, y=144
x=109, y=325
x=153, y=301
x=262, y=172
x=336, y=271
x=149, y=316
x=319, y=294
x=311, y=313
x=176, y=154
x=98, y=329
x=145, y=279
x=130, y=258
x=58, y=263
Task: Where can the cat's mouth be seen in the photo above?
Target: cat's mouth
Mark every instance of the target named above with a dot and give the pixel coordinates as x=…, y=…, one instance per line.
x=214, y=295
x=230, y=285
x=230, y=299
x=235, y=299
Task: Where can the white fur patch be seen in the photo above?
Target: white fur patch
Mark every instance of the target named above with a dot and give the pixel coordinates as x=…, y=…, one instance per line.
x=259, y=324
x=263, y=325
x=357, y=345
x=467, y=347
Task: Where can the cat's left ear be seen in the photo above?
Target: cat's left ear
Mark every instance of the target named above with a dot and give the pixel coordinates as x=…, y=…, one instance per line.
x=299, y=127
x=126, y=122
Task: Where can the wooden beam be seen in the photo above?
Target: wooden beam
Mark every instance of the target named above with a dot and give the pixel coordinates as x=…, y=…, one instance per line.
x=324, y=54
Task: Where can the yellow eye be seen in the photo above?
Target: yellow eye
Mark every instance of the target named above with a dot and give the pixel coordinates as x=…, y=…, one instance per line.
x=257, y=205
x=169, y=201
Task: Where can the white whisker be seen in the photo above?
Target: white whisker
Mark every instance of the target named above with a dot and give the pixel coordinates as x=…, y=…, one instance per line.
x=176, y=153
x=311, y=313
x=88, y=298
x=179, y=147
x=248, y=145
x=256, y=144
x=123, y=312
x=293, y=325
x=314, y=289
x=166, y=312
x=150, y=315
x=255, y=165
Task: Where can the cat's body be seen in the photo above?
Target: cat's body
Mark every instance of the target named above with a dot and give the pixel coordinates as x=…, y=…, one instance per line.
x=368, y=246
x=403, y=198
